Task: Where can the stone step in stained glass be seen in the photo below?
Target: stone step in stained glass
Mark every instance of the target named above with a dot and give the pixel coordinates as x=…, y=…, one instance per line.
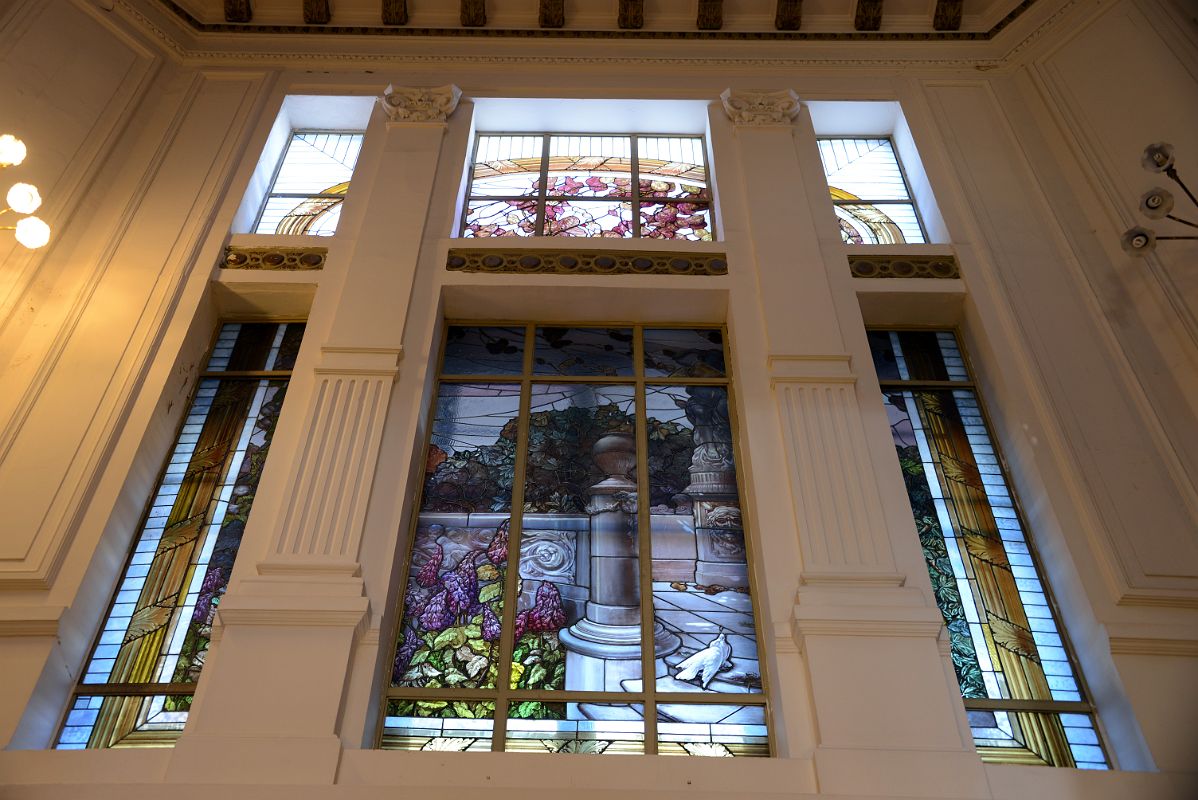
x=576, y=728
x=552, y=463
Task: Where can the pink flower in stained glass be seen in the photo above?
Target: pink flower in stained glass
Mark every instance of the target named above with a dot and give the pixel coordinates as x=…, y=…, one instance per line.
x=522, y=623
x=547, y=614
x=462, y=586
x=436, y=615
x=491, y=629
x=621, y=228
x=427, y=576
x=497, y=549
x=667, y=215
x=686, y=208
x=596, y=184
x=403, y=656
x=568, y=185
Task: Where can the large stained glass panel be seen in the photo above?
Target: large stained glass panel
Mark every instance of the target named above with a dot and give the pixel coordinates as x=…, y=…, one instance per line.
x=589, y=185
x=873, y=202
x=306, y=196
x=604, y=467
x=137, y=686
x=1006, y=647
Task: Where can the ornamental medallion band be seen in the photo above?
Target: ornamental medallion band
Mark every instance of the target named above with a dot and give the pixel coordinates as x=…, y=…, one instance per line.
x=583, y=262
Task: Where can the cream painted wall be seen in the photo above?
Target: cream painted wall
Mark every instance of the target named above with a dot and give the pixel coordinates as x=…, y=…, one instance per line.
x=144, y=140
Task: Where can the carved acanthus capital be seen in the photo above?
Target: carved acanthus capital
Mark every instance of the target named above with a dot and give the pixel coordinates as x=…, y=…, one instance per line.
x=420, y=103
x=760, y=108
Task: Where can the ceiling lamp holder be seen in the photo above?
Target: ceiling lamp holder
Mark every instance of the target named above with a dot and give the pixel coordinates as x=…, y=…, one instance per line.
x=1157, y=203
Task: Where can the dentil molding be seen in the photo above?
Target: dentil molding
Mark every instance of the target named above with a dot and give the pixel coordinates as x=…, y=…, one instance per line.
x=420, y=104
x=761, y=108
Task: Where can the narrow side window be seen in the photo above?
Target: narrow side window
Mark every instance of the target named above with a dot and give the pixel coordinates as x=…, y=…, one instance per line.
x=138, y=683
x=1023, y=694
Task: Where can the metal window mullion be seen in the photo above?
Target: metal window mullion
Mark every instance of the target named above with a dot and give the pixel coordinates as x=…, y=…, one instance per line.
x=274, y=178
x=910, y=198
x=543, y=192
x=134, y=689
x=644, y=546
x=636, y=195
x=507, y=643
x=387, y=665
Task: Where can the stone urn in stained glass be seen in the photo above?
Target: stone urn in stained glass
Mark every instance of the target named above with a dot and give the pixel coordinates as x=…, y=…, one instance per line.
x=615, y=454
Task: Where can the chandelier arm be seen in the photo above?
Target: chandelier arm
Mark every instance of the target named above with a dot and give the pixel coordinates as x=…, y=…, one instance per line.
x=1159, y=238
x=1182, y=221
x=1172, y=173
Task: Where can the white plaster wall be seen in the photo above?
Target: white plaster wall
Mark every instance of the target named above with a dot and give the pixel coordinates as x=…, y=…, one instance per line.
x=1086, y=357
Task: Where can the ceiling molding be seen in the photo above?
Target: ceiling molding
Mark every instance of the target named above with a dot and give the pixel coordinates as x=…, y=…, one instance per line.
x=631, y=19
x=198, y=44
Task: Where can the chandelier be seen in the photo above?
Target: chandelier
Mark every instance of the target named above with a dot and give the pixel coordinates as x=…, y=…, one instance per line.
x=22, y=198
x=1157, y=203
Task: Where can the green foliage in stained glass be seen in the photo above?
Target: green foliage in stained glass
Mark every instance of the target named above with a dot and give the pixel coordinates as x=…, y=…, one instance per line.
x=944, y=582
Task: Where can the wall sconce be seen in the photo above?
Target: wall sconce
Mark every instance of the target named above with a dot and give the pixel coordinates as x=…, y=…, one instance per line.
x=1157, y=202
x=22, y=198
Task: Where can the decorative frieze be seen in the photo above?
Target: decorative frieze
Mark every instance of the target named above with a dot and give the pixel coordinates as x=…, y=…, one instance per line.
x=904, y=267
x=275, y=258
x=761, y=108
x=420, y=103
x=586, y=262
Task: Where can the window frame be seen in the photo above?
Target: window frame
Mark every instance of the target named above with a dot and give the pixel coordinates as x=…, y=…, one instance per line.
x=865, y=201
x=274, y=178
x=543, y=197
x=502, y=694
x=1084, y=706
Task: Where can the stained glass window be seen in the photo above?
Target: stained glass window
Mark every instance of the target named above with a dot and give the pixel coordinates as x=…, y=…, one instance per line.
x=1024, y=698
x=311, y=183
x=579, y=579
x=138, y=683
x=870, y=193
x=622, y=187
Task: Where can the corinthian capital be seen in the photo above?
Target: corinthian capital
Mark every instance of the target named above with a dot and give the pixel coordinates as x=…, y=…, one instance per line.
x=760, y=108
x=420, y=103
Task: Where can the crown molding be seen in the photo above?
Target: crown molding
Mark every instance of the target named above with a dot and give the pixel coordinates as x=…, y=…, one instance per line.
x=211, y=44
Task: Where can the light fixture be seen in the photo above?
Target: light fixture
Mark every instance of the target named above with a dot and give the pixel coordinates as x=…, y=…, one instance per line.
x=1157, y=203
x=22, y=198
